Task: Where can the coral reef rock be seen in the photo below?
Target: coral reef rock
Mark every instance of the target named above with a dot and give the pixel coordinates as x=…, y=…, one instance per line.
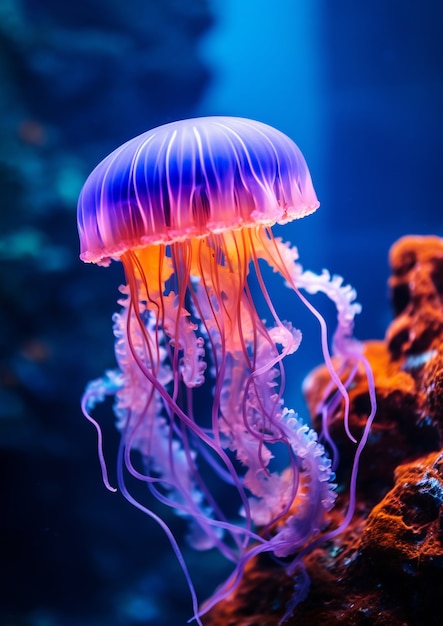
x=387, y=566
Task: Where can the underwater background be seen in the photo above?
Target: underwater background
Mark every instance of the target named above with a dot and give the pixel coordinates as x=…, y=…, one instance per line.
x=358, y=86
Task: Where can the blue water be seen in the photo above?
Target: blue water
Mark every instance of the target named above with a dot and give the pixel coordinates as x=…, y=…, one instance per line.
x=359, y=88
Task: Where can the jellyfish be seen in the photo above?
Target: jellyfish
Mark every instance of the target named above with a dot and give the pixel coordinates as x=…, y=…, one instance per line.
x=188, y=209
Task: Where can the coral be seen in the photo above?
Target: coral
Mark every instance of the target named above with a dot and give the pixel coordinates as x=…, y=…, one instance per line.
x=387, y=566
x=402, y=538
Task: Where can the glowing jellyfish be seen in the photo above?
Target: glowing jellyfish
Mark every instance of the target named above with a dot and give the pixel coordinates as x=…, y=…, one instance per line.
x=188, y=209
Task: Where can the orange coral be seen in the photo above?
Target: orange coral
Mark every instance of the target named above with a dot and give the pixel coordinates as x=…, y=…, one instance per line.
x=404, y=532
x=387, y=567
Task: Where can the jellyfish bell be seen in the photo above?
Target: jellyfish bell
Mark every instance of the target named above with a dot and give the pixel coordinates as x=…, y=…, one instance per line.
x=188, y=208
x=189, y=179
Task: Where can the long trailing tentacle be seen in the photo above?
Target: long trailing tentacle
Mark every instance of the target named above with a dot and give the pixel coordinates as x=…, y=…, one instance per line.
x=165, y=351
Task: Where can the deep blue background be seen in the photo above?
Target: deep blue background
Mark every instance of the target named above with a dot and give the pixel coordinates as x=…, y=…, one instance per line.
x=359, y=86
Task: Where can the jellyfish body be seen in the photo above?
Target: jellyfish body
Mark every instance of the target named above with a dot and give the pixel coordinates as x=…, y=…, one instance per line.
x=188, y=208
